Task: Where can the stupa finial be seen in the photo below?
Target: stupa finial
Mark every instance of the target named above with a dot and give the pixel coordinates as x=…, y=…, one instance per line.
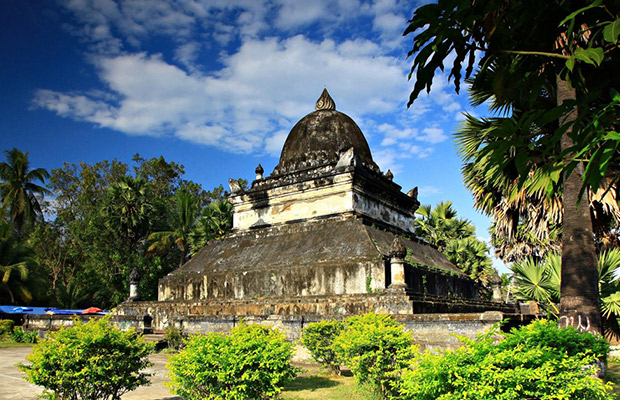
x=325, y=102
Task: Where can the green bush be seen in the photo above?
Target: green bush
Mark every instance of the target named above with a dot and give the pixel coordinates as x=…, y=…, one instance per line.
x=88, y=361
x=544, y=333
x=318, y=338
x=533, y=362
x=6, y=326
x=173, y=337
x=19, y=335
x=253, y=362
x=376, y=348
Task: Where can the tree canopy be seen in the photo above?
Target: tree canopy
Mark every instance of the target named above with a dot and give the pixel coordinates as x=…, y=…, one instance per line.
x=547, y=68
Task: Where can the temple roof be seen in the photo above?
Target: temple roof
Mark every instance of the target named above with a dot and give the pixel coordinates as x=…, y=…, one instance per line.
x=327, y=242
x=320, y=137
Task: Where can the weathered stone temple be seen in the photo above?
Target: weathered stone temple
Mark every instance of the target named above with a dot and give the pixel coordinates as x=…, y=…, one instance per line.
x=326, y=234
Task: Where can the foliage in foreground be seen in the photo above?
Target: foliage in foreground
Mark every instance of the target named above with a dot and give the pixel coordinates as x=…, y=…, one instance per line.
x=377, y=349
x=19, y=335
x=538, y=361
x=540, y=280
x=90, y=360
x=6, y=326
x=318, y=338
x=253, y=362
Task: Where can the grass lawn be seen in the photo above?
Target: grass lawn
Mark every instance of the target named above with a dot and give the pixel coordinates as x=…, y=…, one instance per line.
x=613, y=375
x=7, y=342
x=315, y=384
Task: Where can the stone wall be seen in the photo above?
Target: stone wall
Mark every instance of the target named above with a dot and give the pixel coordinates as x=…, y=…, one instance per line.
x=430, y=331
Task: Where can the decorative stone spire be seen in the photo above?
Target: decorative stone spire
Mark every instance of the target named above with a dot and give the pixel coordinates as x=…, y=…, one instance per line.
x=389, y=175
x=325, y=102
x=134, y=281
x=398, y=249
x=259, y=172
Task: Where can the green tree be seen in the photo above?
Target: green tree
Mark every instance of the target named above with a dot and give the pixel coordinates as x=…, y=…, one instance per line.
x=455, y=237
x=538, y=361
x=18, y=190
x=182, y=221
x=318, y=338
x=377, y=349
x=100, y=222
x=253, y=362
x=215, y=221
x=440, y=225
x=128, y=208
x=472, y=257
x=527, y=210
x=14, y=266
x=540, y=280
x=568, y=55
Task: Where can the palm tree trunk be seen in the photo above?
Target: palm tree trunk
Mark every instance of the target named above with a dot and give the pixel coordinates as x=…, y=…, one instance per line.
x=579, y=296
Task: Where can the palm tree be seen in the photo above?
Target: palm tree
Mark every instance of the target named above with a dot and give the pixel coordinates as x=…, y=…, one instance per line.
x=472, y=257
x=541, y=280
x=215, y=222
x=439, y=225
x=567, y=58
x=128, y=208
x=181, y=225
x=519, y=184
x=14, y=259
x=18, y=190
x=527, y=211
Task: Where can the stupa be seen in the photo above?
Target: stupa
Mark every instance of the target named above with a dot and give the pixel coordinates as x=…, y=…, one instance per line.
x=325, y=234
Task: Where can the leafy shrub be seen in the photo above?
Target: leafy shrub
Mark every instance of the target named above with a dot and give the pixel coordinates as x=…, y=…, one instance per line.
x=6, y=326
x=376, y=348
x=173, y=337
x=318, y=338
x=544, y=333
x=253, y=362
x=19, y=335
x=533, y=362
x=88, y=361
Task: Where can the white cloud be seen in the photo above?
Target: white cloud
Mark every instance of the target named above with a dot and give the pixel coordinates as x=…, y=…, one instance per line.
x=275, y=142
x=429, y=191
x=432, y=135
x=264, y=84
x=186, y=54
x=293, y=13
x=262, y=88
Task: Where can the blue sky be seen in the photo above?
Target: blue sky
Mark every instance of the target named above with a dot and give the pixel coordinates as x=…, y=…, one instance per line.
x=217, y=85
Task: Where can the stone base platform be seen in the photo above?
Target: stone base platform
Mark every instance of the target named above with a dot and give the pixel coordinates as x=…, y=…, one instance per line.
x=431, y=330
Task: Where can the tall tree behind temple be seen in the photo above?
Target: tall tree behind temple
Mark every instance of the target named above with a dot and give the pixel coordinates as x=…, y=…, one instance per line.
x=455, y=237
x=542, y=48
x=181, y=221
x=102, y=217
x=19, y=193
x=14, y=268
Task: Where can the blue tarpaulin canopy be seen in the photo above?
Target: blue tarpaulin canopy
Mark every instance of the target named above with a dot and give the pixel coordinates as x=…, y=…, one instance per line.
x=40, y=310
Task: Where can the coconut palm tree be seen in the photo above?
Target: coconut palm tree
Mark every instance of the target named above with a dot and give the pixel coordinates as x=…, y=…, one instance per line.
x=214, y=222
x=180, y=227
x=14, y=259
x=19, y=193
